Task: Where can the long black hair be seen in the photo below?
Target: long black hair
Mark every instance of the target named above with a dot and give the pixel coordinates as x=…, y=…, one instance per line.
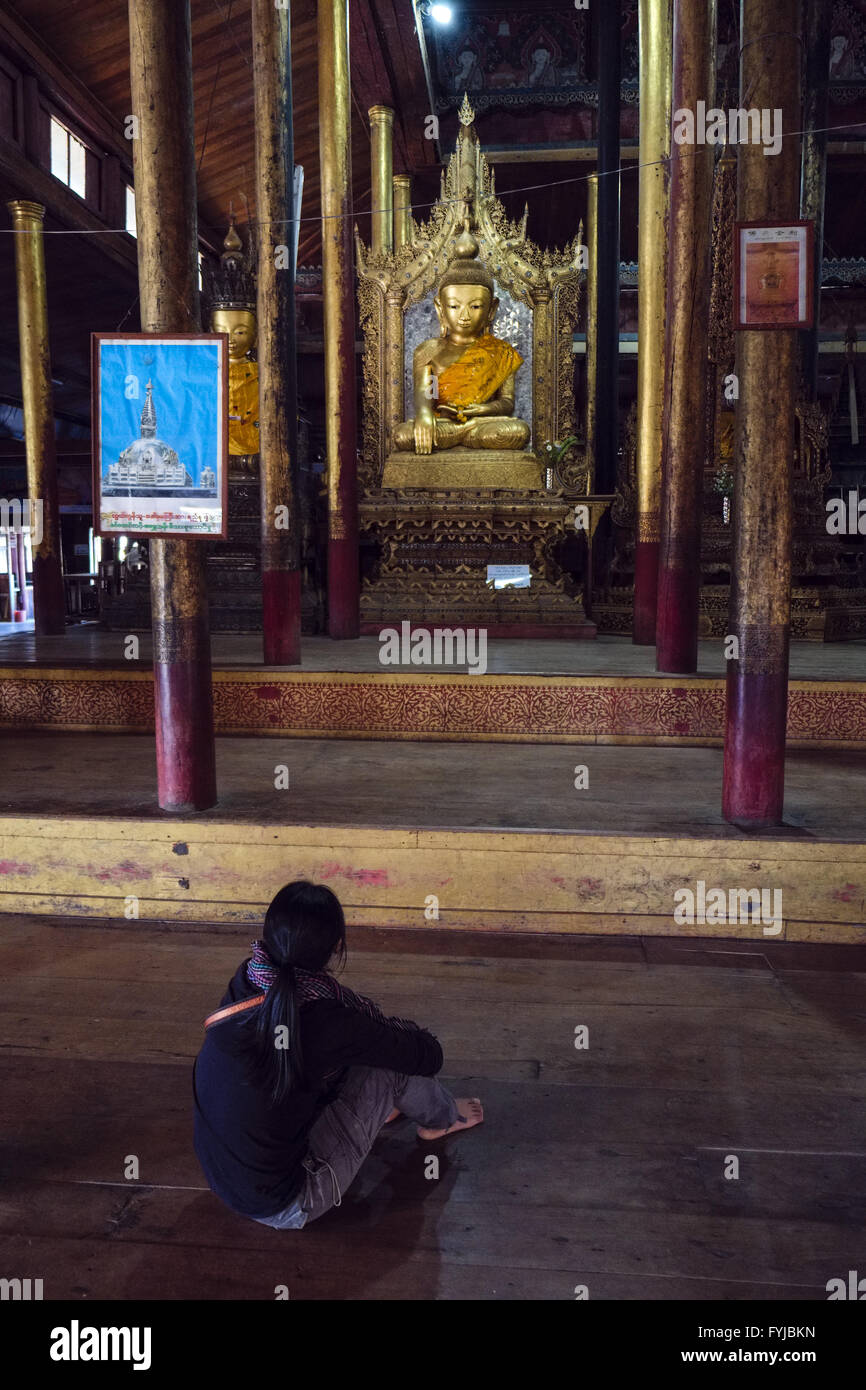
x=304, y=928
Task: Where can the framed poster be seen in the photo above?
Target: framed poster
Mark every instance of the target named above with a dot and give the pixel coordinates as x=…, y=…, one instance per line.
x=160, y=434
x=773, y=274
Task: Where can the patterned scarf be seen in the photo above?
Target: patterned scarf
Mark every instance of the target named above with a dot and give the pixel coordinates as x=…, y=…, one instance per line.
x=310, y=986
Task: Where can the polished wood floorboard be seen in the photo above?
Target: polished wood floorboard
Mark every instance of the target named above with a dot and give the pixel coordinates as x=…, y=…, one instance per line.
x=601, y=1166
x=632, y=790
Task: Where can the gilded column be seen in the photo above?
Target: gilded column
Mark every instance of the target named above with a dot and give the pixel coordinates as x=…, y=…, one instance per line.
x=688, y=302
x=591, y=325
x=49, y=604
x=655, y=37
x=766, y=365
x=402, y=210
x=338, y=280
x=382, y=161
x=165, y=209
x=275, y=313
x=607, y=246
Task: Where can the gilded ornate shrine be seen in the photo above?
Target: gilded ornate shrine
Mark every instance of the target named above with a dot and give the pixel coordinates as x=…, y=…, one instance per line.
x=471, y=315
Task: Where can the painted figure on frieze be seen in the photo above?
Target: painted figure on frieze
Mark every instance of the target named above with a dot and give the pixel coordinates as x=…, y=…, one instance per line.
x=464, y=380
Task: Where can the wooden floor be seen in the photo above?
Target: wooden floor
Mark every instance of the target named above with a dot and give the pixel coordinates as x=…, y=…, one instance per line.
x=600, y=1167
x=632, y=790
x=91, y=645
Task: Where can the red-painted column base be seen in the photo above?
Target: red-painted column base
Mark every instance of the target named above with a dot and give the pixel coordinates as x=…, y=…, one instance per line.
x=49, y=600
x=281, y=617
x=185, y=757
x=646, y=580
x=677, y=622
x=344, y=616
x=753, y=784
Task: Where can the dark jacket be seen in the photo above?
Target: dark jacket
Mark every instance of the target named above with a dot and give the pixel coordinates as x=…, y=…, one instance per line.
x=251, y=1151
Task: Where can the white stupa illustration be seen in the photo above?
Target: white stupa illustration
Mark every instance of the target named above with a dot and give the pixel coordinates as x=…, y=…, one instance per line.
x=148, y=466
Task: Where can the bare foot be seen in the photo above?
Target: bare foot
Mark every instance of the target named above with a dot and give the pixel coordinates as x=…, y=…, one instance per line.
x=392, y=1116
x=471, y=1113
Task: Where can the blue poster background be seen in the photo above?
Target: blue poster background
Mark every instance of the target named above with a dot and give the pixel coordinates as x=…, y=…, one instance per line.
x=185, y=379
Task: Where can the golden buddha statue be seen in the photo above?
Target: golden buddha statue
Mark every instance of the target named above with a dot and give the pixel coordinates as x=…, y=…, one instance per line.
x=464, y=379
x=233, y=305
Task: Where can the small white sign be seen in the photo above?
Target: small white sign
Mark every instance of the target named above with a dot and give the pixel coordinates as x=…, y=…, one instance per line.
x=509, y=576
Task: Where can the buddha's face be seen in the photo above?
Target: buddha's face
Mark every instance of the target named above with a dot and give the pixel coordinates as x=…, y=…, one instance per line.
x=240, y=325
x=465, y=311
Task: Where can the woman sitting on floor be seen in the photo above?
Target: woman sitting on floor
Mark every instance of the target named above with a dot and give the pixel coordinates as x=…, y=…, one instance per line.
x=297, y=1074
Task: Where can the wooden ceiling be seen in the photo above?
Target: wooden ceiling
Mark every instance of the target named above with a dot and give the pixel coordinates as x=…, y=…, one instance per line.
x=90, y=38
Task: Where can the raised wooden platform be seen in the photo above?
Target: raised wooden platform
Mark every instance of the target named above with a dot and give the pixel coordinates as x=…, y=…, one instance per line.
x=208, y=871
x=533, y=692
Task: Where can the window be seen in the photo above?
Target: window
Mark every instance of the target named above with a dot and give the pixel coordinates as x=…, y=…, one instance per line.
x=130, y=210
x=67, y=157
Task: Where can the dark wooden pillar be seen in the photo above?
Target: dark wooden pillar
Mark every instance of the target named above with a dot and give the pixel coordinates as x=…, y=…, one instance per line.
x=817, y=15
x=21, y=572
x=49, y=604
x=607, y=243
x=688, y=302
x=766, y=365
x=338, y=277
x=275, y=313
x=165, y=210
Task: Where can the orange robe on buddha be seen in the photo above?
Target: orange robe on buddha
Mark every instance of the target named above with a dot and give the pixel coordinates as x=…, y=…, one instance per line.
x=480, y=371
x=244, y=407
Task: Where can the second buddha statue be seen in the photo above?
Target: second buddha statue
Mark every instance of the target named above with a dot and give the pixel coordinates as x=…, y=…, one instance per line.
x=233, y=312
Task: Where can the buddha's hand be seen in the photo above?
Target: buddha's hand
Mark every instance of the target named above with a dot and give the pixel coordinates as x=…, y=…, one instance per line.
x=463, y=412
x=424, y=430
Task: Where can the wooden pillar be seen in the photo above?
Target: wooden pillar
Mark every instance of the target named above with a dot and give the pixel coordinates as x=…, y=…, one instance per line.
x=592, y=329
x=275, y=306
x=402, y=210
x=688, y=302
x=607, y=247
x=817, y=15
x=382, y=164
x=766, y=365
x=167, y=242
x=654, y=32
x=49, y=605
x=338, y=278
x=21, y=571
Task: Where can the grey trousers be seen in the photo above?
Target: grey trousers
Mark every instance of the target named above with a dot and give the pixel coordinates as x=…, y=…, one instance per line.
x=346, y=1131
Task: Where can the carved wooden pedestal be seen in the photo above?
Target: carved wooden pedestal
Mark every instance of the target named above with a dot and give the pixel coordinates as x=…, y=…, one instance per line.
x=425, y=556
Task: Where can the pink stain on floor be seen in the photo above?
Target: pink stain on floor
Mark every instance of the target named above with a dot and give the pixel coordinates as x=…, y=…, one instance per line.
x=12, y=866
x=119, y=873
x=846, y=894
x=590, y=887
x=373, y=877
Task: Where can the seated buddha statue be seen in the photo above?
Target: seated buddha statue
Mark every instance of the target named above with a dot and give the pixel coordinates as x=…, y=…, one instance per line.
x=464, y=379
x=233, y=312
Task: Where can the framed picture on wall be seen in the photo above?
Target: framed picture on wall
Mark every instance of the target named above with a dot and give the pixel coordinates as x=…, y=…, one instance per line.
x=160, y=434
x=773, y=274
